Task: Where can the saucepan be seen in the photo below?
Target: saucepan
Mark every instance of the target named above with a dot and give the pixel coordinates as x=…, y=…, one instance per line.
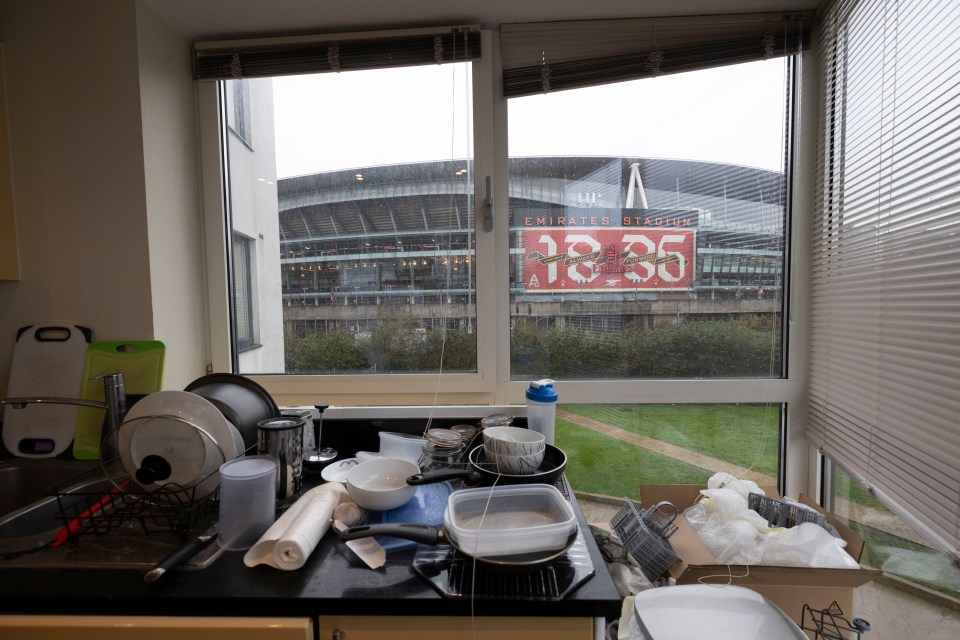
x=482, y=471
x=520, y=526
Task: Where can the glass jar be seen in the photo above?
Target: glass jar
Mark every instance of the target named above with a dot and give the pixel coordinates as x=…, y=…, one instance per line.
x=443, y=449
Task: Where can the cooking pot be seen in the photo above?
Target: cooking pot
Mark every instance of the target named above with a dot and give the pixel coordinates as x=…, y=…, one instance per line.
x=521, y=526
x=482, y=471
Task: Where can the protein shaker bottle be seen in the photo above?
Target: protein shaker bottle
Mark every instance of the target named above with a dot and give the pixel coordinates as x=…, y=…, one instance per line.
x=542, y=408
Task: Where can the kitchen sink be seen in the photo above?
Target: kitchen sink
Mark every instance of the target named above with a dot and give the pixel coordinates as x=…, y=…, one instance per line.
x=36, y=494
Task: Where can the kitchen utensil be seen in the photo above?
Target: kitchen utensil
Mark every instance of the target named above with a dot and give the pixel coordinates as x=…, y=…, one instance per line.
x=180, y=555
x=337, y=471
x=481, y=471
x=176, y=437
x=282, y=438
x=405, y=446
x=140, y=362
x=381, y=484
x=248, y=492
x=505, y=526
x=512, y=441
x=704, y=611
x=241, y=400
x=317, y=457
x=47, y=362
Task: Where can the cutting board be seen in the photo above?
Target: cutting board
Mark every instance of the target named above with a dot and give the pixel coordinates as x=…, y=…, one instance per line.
x=47, y=362
x=140, y=362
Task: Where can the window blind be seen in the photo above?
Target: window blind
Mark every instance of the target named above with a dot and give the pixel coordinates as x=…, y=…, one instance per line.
x=342, y=52
x=551, y=56
x=885, y=362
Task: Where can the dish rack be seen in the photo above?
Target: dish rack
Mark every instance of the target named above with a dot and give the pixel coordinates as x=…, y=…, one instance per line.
x=645, y=535
x=829, y=623
x=779, y=513
x=101, y=500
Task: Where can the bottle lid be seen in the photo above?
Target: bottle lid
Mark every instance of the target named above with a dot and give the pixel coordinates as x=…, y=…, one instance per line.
x=542, y=391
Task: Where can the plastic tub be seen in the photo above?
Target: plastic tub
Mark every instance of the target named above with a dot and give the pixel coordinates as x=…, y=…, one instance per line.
x=502, y=521
x=401, y=445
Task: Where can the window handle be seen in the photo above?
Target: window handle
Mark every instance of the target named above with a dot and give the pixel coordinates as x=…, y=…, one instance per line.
x=488, y=207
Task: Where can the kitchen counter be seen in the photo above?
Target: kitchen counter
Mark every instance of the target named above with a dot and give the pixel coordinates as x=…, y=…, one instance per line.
x=333, y=581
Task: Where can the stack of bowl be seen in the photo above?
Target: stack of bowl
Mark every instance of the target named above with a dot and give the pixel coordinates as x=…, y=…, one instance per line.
x=513, y=450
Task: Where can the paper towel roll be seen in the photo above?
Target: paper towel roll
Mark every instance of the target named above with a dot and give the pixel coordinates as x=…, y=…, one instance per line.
x=293, y=537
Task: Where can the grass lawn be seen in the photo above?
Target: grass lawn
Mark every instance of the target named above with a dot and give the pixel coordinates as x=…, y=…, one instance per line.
x=746, y=435
x=599, y=464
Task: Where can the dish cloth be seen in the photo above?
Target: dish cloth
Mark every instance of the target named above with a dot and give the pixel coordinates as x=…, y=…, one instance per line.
x=292, y=538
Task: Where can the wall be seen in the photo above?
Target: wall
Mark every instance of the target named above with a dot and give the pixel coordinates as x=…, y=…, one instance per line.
x=82, y=140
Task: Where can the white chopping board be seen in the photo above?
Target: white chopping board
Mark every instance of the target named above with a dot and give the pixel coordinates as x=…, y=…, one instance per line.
x=47, y=362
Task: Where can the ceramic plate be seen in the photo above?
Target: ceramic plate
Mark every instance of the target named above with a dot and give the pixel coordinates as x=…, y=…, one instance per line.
x=337, y=470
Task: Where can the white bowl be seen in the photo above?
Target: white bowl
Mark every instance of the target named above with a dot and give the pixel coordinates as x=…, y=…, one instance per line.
x=381, y=485
x=514, y=465
x=512, y=441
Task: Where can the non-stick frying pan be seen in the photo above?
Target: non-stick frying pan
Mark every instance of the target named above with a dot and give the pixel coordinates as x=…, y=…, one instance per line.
x=482, y=472
x=520, y=527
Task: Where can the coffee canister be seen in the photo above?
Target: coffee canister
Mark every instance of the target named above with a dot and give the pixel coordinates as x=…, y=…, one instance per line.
x=282, y=439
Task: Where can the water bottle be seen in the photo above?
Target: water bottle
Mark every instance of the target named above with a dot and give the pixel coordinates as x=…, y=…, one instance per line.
x=542, y=408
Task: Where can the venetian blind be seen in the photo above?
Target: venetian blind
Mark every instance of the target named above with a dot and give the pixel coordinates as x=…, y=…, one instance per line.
x=342, y=52
x=885, y=363
x=551, y=56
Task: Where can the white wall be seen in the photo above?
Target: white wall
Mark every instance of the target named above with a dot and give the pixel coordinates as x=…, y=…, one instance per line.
x=101, y=244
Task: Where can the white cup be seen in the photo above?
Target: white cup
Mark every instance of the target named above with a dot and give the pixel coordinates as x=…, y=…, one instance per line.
x=248, y=491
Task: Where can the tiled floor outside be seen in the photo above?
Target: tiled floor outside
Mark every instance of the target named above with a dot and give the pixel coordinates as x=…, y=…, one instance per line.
x=894, y=611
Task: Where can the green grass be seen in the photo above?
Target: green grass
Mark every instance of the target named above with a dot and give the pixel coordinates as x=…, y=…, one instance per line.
x=745, y=435
x=599, y=464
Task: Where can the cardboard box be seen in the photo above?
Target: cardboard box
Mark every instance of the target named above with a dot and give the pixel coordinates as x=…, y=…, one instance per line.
x=788, y=587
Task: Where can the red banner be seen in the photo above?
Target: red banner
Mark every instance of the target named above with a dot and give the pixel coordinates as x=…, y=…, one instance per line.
x=608, y=259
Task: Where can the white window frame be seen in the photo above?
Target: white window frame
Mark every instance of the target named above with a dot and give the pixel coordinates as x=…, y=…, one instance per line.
x=491, y=384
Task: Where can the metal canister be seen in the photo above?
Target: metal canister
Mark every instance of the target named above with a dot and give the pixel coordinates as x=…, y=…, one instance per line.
x=282, y=439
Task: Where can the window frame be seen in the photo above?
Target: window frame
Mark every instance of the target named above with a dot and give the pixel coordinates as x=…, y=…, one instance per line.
x=491, y=384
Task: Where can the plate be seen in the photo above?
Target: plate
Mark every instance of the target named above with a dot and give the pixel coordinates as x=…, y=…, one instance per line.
x=337, y=470
x=183, y=429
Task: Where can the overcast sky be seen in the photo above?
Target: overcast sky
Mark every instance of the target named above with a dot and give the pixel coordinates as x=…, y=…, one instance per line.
x=356, y=119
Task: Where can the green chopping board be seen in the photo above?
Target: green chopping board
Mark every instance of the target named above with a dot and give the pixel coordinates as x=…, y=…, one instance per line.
x=140, y=362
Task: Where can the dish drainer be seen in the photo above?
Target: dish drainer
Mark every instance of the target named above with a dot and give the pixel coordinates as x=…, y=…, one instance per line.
x=829, y=623
x=101, y=500
x=645, y=534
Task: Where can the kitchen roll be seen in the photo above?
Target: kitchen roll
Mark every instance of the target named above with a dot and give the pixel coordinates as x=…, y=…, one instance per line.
x=292, y=538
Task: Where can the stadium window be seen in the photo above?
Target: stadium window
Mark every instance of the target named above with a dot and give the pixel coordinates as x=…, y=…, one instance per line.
x=397, y=243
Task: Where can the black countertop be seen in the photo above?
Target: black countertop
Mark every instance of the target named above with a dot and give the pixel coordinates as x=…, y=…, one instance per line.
x=333, y=581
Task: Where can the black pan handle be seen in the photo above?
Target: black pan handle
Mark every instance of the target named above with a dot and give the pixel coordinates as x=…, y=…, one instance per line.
x=417, y=532
x=472, y=476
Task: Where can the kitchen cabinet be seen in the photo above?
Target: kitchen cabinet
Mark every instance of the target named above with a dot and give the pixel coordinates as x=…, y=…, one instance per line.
x=32, y=627
x=454, y=628
x=9, y=260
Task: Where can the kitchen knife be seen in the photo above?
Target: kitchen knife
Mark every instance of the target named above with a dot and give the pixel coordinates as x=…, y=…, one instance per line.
x=180, y=555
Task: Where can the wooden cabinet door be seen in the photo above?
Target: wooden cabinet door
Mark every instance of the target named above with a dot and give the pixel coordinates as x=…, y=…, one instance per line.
x=453, y=628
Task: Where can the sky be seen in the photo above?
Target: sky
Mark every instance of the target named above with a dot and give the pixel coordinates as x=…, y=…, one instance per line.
x=327, y=122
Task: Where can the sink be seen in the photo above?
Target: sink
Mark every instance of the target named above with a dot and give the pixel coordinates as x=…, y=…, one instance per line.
x=31, y=517
x=26, y=480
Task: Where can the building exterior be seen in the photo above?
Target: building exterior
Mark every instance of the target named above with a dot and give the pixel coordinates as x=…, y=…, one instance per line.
x=634, y=238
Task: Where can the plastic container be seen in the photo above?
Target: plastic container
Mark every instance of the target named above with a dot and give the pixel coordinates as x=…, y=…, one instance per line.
x=248, y=490
x=503, y=521
x=401, y=445
x=542, y=408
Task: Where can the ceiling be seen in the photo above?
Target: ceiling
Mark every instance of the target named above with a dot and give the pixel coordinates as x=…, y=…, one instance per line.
x=218, y=19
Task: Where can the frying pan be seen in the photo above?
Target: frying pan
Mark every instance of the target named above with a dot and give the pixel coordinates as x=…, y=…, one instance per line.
x=519, y=527
x=482, y=472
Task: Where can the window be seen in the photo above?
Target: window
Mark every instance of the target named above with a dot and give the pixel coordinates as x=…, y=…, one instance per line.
x=242, y=292
x=415, y=274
